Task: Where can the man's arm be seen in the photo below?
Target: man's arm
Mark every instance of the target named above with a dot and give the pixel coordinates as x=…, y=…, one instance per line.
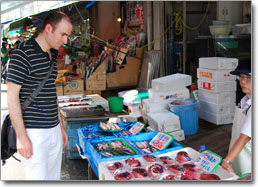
x=24, y=144
x=63, y=130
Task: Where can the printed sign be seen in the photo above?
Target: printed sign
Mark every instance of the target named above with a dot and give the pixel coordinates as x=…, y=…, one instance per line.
x=208, y=161
x=206, y=74
x=161, y=140
x=136, y=128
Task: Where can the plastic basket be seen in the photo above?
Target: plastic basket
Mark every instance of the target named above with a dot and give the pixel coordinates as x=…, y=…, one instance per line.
x=115, y=104
x=188, y=114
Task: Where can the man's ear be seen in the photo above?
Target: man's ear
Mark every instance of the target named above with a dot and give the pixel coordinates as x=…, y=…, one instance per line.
x=48, y=28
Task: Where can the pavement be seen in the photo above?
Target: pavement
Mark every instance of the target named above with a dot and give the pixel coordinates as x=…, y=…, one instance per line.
x=76, y=169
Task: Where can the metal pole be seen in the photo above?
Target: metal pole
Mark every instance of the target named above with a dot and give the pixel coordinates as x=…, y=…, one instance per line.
x=184, y=38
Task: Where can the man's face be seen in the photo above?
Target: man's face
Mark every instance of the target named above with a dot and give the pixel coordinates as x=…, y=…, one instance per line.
x=58, y=36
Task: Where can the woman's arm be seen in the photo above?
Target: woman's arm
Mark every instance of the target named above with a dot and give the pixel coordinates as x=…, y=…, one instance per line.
x=235, y=150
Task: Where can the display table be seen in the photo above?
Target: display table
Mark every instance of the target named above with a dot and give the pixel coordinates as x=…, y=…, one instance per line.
x=73, y=123
x=106, y=174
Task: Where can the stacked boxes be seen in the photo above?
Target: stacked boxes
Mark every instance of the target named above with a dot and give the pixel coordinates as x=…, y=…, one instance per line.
x=217, y=89
x=155, y=110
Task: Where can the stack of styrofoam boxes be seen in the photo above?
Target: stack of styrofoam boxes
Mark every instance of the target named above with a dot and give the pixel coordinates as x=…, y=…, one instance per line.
x=217, y=89
x=156, y=111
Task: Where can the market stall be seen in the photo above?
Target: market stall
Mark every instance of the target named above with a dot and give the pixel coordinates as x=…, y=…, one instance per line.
x=122, y=155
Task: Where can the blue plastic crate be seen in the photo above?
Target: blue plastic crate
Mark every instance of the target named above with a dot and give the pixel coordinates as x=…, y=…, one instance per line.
x=71, y=129
x=93, y=130
x=97, y=133
x=96, y=158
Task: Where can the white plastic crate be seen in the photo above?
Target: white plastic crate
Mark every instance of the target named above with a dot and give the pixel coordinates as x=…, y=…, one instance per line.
x=171, y=82
x=218, y=63
x=217, y=98
x=164, y=121
x=157, y=96
x=220, y=119
x=215, y=75
x=217, y=87
x=217, y=108
x=179, y=135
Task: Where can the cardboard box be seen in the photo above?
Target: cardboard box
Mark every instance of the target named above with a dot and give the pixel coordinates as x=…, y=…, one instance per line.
x=74, y=87
x=59, y=90
x=61, y=72
x=97, y=81
x=60, y=65
x=127, y=75
x=139, y=53
x=90, y=92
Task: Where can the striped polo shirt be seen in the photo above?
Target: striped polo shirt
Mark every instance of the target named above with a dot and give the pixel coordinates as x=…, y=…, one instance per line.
x=28, y=67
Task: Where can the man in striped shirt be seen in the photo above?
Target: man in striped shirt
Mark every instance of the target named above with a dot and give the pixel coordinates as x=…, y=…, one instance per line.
x=40, y=131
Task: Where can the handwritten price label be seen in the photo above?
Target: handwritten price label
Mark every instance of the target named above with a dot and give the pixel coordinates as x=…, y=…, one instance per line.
x=161, y=140
x=136, y=128
x=208, y=161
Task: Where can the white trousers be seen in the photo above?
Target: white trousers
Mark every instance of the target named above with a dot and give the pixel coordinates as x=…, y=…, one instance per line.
x=46, y=160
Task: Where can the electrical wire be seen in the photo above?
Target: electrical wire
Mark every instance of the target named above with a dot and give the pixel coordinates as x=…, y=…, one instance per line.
x=179, y=23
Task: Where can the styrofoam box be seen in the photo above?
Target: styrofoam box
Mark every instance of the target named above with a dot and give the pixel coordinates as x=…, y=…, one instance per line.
x=218, y=63
x=217, y=108
x=164, y=121
x=148, y=106
x=217, y=98
x=105, y=174
x=217, y=87
x=171, y=82
x=179, y=135
x=215, y=75
x=157, y=96
x=220, y=119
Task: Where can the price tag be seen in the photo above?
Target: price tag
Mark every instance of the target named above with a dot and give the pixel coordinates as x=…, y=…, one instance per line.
x=208, y=161
x=136, y=128
x=161, y=140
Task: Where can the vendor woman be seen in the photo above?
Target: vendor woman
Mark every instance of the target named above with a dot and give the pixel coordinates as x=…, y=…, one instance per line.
x=239, y=158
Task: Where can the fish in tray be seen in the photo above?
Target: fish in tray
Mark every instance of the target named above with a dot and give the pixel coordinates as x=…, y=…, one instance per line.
x=144, y=146
x=102, y=146
x=109, y=126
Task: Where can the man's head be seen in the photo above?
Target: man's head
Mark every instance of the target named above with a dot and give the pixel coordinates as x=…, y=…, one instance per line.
x=57, y=27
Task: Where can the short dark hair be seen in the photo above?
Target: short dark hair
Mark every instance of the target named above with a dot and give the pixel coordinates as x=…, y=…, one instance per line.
x=53, y=18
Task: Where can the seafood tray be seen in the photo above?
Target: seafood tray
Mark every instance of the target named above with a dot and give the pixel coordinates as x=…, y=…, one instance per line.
x=81, y=111
x=141, y=142
x=105, y=150
x=90, y=132
x=174, y=165
x=94, y=131
x=73, y=98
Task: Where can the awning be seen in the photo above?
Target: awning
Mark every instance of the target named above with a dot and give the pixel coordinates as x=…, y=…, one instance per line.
x=38, y=18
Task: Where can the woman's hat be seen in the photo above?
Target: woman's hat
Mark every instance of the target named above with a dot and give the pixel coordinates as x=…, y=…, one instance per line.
x=244, y=67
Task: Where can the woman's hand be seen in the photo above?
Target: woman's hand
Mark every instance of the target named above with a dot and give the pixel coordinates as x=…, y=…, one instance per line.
x=227, y=167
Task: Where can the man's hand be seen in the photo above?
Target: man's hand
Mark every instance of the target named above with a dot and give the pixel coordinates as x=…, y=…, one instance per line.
x=24, y=147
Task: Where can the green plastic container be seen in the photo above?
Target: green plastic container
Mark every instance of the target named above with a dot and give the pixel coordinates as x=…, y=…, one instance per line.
x=115, y=104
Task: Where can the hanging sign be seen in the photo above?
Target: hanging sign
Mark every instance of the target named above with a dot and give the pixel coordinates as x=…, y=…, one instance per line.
x=208, y=161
